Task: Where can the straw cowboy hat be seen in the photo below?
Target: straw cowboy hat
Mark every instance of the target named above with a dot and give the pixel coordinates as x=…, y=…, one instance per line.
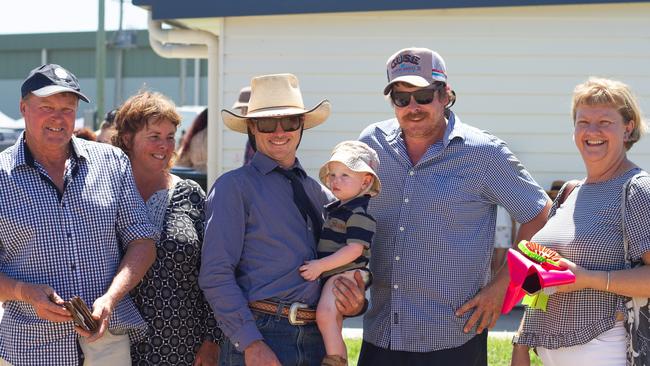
x=276, y=95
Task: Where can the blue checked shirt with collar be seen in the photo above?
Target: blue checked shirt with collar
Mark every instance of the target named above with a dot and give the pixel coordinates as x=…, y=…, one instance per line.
x=435, y=231
x=66, y=240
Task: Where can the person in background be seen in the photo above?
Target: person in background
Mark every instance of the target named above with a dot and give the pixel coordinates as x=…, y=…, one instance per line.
x=67, y=203
x=555, y=189
x=183, y=330
x=107, y=128
x=193, y=152
x=85, y=133
x=583, y=321
x=504, y=234
x=432, y=299
x=241, y=106
x=263, y=222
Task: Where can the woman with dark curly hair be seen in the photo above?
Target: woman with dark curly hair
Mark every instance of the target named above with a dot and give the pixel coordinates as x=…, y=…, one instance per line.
x=183, y=329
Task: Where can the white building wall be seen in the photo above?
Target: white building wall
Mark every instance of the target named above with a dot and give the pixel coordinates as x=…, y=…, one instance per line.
x=513, y=69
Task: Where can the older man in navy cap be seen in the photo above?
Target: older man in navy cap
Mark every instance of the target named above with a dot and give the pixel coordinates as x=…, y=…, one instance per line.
x=66, y=204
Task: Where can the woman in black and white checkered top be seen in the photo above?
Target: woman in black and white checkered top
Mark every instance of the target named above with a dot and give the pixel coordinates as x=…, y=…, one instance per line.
x=583, y=323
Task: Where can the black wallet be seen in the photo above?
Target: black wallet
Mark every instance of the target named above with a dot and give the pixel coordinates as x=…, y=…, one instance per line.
x=81, y=315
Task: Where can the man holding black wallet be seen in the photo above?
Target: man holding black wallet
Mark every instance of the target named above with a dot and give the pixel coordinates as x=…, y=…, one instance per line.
x=66, y=205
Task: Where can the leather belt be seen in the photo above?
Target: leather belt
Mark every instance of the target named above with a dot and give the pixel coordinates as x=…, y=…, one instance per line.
x=297, y=313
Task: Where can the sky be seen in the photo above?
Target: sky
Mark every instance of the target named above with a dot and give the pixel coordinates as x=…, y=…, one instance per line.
x=52, y=16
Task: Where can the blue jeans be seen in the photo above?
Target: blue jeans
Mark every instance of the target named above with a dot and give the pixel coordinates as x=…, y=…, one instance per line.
x=299, y=345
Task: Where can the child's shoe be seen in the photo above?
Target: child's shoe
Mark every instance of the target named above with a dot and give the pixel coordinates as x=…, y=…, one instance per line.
x=334, y=360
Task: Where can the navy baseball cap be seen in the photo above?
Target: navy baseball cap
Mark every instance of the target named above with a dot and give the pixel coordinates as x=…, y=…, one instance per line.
x=51, y=79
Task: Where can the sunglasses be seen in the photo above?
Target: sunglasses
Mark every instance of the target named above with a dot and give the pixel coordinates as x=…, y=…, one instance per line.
x=269, y=125
x=422, y=96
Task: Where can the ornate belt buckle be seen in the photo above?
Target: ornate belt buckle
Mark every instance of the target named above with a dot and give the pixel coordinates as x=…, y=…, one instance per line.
x=293, y=313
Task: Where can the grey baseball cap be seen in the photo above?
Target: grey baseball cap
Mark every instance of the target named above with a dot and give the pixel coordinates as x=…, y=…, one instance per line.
x=416, y=66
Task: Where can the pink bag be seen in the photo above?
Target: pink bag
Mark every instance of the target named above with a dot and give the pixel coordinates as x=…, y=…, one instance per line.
x=530, y=277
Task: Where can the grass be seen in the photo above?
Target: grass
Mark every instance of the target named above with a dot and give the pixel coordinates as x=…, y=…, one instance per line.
x=499, y=350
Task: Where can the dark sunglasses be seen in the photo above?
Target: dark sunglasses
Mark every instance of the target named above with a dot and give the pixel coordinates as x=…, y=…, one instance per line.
x=269, y=125
x=422, y=96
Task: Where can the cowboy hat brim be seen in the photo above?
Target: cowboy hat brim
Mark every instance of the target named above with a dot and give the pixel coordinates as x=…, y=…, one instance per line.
x=313, y=117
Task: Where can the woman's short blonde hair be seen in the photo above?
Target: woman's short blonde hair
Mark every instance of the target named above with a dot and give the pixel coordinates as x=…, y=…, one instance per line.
x=137, y=111
x=600, y=91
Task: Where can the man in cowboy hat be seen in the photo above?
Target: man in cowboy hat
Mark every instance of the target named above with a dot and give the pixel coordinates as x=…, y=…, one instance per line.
x=263, y=223
x=442, y=180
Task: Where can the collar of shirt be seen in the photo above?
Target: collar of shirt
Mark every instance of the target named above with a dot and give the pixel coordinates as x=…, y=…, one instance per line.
x=351, y=204
x=23, y=156
x=265, y=165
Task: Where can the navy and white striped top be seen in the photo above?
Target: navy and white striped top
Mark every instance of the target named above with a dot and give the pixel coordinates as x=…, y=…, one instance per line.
x=67, y=240
x=586, y=230
x=347, y=223
x=435, y=231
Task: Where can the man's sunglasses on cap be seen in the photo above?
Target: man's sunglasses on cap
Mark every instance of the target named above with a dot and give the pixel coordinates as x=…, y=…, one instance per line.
x=422, y=96
x=269, y=124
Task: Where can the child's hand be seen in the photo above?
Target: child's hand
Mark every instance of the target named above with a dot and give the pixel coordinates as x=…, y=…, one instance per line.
x=310, y=270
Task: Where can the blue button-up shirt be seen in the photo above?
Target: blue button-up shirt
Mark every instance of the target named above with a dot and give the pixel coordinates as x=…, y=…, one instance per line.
x=255, y=241
x=435, y=231
x=68, y=240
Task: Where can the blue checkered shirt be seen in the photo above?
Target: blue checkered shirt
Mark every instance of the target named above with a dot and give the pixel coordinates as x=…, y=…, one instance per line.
x=435, y=231
x=67, y=240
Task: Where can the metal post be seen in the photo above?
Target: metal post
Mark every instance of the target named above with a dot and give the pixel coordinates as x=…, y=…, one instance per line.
x=197, y=81
x=100, y=63
x=182, y=80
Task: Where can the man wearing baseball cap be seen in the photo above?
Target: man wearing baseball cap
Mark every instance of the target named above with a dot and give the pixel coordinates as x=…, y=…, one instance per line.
x=263, y=221
x=432, y=300
x=73, y=224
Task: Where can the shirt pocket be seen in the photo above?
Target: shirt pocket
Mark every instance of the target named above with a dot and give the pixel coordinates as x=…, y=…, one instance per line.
x=456, y=199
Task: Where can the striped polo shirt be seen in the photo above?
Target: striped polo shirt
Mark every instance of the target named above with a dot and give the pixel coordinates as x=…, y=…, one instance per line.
x=347, y=223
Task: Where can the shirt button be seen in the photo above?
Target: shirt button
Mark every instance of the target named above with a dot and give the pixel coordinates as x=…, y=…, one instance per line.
x=397, y=258
x=69, y=235
x=395, y=287
x=406, y=200
x=401, y=228
x=237, y=344
x=73, y=267
x=411, y=172
x=309, y=228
